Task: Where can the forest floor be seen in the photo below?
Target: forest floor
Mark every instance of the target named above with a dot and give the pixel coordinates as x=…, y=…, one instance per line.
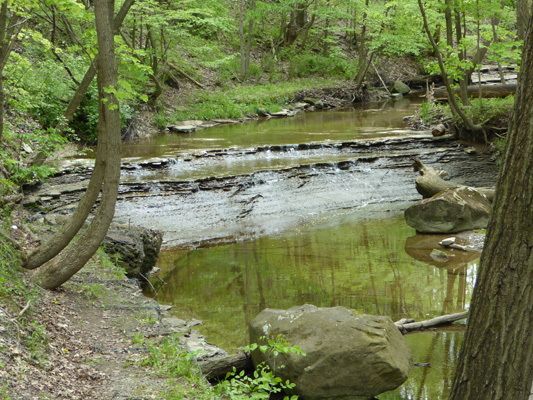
x=85, y=340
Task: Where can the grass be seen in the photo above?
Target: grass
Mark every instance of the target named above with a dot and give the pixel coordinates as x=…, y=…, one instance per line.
x=239, y=101
x=18, y=295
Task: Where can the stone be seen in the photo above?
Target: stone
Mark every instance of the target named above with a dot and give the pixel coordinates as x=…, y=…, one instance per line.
x=447, y=242
x=182, y=128
x=137, y=248
x=284, y=113
x=438, y=255
x=450, y=211
x=176, y=324
x=348, y=356
x=300, y=105
x=400, y=87
x=194, y=342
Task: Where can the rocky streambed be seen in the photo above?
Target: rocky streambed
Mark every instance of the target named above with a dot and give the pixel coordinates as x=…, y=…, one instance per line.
x=167, y=194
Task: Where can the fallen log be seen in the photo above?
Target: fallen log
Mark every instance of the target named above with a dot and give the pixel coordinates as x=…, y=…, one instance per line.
x=430, y=182
x=442, y=320
x=218, y=367
x=487, y=91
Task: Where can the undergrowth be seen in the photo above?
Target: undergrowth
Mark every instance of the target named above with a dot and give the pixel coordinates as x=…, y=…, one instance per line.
x=239, y=101
x=169, y=358
x=18, y=296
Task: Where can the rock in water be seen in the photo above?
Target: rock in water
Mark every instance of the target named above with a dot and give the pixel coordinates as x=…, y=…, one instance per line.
x=137, y=248
x=447, y=242
x=400, y=87
x=450, y=211
x=349, y=356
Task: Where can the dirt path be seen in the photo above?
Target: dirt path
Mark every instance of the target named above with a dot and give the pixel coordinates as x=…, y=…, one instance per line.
x=95, y=328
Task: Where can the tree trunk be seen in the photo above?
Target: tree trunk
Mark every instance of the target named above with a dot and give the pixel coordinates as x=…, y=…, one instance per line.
x=64, y=236
x=488, y=91
x=522, y=17
x=76, y=99
x=449, y=24
x=73, y=258
x=453, y=103
x=496, y=361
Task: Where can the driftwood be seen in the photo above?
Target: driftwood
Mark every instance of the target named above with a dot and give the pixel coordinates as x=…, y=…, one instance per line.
x=430, y=182
x=487, y=91
x=218, y=367
x=189, y=78
x=442, y=320
x=438, y=130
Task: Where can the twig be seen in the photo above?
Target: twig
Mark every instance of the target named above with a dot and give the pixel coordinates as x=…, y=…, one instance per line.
x=379, y=76
x=24, y=309
x=150, y=283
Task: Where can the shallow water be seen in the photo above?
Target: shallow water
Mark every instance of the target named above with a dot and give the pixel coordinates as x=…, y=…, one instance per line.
x=330, y=233
x=368, y=120
x=359, y=264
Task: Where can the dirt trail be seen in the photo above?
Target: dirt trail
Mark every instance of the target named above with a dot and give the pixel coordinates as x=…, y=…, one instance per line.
x=91, y=325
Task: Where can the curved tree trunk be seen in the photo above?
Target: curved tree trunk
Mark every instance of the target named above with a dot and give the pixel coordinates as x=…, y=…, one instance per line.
x=496, y=361
x=63, y=237
x=453, y=102
x=73, y=258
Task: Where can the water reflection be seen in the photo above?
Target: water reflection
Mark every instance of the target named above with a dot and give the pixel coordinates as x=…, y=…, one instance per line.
x=366, y=265
x=438, y=349
x=364, y=120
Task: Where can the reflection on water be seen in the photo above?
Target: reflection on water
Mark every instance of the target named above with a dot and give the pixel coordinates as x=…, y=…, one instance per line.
x=361, y=265
x=364, y=120
x=440, y=350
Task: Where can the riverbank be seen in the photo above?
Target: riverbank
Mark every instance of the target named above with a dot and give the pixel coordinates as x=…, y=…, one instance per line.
x=91, y=339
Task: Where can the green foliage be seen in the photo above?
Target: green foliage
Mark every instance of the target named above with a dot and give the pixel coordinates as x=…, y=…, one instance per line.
x=260, y=386
x=169, y=358
x=161, y=120
x=239, y=101
x=12, y=160
x=310, y=64
x=263, y=383
x=19, y=294
x=430, y=112
x=490, y=111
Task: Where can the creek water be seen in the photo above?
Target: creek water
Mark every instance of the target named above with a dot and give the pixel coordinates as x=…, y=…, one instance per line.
x=280, y=213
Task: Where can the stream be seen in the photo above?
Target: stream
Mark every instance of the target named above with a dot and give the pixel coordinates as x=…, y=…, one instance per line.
x=309, y=209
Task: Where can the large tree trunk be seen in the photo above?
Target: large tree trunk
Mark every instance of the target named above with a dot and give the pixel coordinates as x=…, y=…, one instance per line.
x=74, y=257
x=496, y=361
x=522, y=17
x=63, y=236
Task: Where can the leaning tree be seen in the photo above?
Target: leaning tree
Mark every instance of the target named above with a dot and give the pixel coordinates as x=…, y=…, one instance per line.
x=106, y=174
x=496, y=360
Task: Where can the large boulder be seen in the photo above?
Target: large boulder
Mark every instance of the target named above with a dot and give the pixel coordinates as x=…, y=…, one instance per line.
x=450, y=211
x=137, y=249
x=400, y=87
x=349, y=356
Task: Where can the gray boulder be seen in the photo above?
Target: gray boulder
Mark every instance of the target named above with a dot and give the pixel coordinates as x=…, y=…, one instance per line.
x=349, y=356
x=453, y=210
x=400, y=87
x=137, y=249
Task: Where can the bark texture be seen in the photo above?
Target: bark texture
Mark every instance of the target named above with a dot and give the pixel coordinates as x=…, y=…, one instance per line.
x=62, y=237
x=496, y=360
x=73, y=258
